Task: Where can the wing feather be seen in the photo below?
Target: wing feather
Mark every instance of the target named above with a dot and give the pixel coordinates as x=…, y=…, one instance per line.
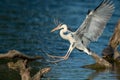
x=95, y=21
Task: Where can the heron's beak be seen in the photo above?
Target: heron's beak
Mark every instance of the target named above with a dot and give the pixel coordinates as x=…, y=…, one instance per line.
x=56, y=28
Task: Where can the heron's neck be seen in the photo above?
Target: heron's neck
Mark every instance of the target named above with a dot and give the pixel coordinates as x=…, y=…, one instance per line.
x=62, y=33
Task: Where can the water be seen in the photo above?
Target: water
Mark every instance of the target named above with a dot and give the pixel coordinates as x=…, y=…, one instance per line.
x=25, y=26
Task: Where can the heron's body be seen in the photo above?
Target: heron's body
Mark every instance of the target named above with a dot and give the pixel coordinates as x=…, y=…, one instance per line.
x=73, y=39
x=90, y=29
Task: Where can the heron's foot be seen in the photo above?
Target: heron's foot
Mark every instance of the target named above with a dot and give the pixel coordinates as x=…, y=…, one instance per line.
x=57, y=58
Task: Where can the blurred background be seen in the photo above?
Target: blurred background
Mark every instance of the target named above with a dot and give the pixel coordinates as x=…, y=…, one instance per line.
x=25, y=25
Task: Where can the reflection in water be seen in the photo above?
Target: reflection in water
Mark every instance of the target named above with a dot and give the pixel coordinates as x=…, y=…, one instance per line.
x=25, y=26
x=116, y=69
x=102, y=73
x=95, y=74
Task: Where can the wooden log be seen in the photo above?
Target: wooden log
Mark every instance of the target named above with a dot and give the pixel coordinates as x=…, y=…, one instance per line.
x=101, y=61
x=20, y=66
x=111, y=50
x=115, y=39
x=24, y=71
x=108, y=54
x=115, y=42
x=16, y=54
x=40, y=73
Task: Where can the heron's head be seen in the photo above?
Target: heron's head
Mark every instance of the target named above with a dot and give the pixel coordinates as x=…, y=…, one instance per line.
x=60, y=26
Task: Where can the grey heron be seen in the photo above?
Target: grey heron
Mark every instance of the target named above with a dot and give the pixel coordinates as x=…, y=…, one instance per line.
x=90, y=30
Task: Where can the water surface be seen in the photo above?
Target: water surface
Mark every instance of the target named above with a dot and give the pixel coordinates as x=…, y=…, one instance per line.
x=25, y=26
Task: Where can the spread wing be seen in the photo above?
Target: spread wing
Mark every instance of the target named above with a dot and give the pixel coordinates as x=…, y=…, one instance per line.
x=95, y=22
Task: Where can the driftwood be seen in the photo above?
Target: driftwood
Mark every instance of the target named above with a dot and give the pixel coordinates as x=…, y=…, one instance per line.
x=115, y=39
x=40, y=73
x=21, y=64
x=24, y=71
x=16, y=54
x=101, y=61
x=111, y=50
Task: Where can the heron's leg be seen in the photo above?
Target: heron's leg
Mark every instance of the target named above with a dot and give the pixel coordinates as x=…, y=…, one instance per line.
x=72, y=46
